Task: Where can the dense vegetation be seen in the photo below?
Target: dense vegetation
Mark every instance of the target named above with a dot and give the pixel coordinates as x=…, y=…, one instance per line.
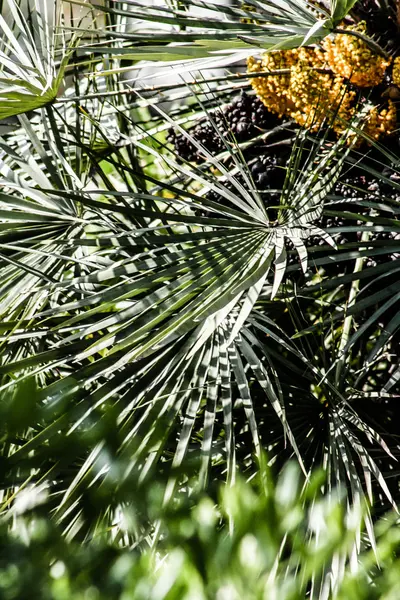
x=199, y=299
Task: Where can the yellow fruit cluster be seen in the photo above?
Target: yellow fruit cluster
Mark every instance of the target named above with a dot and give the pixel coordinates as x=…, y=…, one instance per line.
x=306, y=92
x=350, y=57
x=381, y=123
x=273, y=90
x=318, y=94
x=312, y=86
x=396, y=71
x=377, y=124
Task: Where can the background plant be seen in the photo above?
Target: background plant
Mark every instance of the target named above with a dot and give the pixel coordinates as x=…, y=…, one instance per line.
x=171, y=315
x=265, y=539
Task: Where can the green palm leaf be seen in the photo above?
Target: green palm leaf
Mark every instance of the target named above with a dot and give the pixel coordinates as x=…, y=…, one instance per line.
x=30, y=76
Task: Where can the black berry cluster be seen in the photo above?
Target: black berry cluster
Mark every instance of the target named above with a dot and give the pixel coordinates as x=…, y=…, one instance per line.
x=268, y=170
x=242, y=119
x=388, y=239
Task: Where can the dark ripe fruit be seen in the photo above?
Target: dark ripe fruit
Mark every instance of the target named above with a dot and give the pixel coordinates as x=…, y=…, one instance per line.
x=391, y=242
x=245, y=118
x=257, y=168
x=264, y=179
x=349, y=195
x=268, y=170
x=241, y=128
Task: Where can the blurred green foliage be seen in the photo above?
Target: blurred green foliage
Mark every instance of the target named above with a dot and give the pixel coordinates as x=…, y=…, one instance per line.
x=260, y=539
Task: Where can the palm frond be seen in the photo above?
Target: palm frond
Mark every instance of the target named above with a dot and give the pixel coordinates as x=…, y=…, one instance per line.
x=31, y=74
